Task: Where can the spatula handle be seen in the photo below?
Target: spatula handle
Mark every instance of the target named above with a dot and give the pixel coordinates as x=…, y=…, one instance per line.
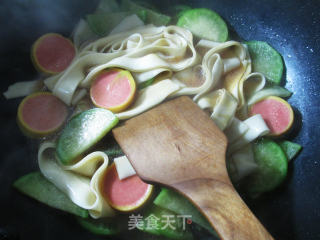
x=224, y=209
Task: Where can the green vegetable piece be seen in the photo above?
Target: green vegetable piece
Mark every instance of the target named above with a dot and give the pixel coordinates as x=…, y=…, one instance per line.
x=155, y=222
x=113, y=151
x=272, y=167
x=146, y=83
x=139, y=235
x=102, y=24
x=104, y=226
x=153, y=17
x=266, y=60
x=175, y=202
x=201, y=233
x=204, y=23
x=82, y=132
x=291, y=149
x=180, y=9
x=107, y=6
x=38, y=187
x=177, y=11
x=269, y=91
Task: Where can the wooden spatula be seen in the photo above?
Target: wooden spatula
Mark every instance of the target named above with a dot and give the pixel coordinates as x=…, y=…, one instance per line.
x=178, y=145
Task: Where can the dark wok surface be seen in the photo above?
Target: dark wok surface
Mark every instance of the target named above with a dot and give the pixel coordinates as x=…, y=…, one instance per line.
x=292, y=27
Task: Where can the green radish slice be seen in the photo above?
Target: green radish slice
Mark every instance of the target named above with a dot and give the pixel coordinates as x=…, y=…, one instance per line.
x=177, y=11
x=104, y=226
x=152, y=17
x=272, y=167
x=205, y=24
x=291, y=149
x=180, y=9
x=266, y=60
x=38, y=187
x=52, y=53
x=175, y=202
x=146, y=83
x=276, y=112
x=269, y=91
x=113, y=149
x=97, y=22
x=41, y=114
x=82, y=132
x=157, y=217
x=107, y=6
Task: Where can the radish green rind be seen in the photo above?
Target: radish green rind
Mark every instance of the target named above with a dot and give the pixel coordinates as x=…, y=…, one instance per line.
x=152, y=17
x=291, y=149
x=146, y=83
x=266, y=60
x=272, y=167
x=82, y=132
x=154, y=212
x=38, y=187
x=102, y=23
x=269, y=91
x=104, y=226
x=175, y=202
x=205, y=24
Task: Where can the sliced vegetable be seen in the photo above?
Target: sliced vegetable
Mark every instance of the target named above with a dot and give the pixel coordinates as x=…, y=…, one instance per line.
x=97, y=22
x=82, y=132
x=107, y=6
x=153, y=17
x=180, y=9
x=269, y=91
x=128, y=23
x=52, y=53
x=266, y=60
x=205, y=24
x=276, y=112
x=41, y=114
x=124, y=195
x=291, y=149
x=104, y=226
x=202, y=233
x=38, y=187
x=242, y=163
x=113, y=151
x=146, y=83
x=113, y=89
x=139, y=235
x=175, y=202
x=124, y=167
x=156, y=221
x=272, y=167
x=22, y=89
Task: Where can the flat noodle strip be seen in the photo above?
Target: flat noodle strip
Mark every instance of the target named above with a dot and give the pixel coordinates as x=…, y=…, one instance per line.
x=150, y=97
x=222, y=107
x=247, y=87
x=256, y=128
x=243, y=163
x=80, y=182
x=141, y=50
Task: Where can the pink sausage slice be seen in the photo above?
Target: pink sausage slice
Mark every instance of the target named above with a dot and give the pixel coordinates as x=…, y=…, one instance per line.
x=41, y=114
x=127, y=194
x=52, y=53
x=113, y=89
x=276, y=112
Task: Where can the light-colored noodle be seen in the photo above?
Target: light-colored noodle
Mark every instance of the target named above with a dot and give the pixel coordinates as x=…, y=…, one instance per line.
x=80, y=182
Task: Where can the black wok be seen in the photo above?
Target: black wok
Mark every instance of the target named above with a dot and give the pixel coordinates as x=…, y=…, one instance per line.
x=291, y=26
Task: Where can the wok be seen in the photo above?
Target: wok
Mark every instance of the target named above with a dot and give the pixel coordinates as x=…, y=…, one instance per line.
x=291, y=26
